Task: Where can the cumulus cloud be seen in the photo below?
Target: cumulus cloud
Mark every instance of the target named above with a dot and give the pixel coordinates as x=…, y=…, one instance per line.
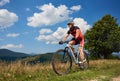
x=8, y=46
x=76, y=8
x=45, y=31
x=82, y=24
x=7, y=18
x=3, y=2
x=56, y=36
x=49, y=15
x=12, y=34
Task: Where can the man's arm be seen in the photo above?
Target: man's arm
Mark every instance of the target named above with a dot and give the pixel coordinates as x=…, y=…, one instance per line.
x=65, y=37
x=77, y=33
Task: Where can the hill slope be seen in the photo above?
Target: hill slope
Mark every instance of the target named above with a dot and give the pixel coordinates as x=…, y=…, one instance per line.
x=100, y=70
x=39, y=58
x=9, y=55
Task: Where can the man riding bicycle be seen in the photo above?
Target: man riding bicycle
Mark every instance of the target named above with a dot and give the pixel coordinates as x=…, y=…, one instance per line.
x=78, y=38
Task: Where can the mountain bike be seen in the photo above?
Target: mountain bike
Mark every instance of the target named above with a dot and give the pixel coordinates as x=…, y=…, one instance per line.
x=63, y=58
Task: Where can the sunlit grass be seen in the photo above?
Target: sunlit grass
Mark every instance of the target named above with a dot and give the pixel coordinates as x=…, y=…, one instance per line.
x=100, y=70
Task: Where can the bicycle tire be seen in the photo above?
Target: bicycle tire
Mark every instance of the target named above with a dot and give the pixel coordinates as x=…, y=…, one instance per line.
x=87, y=60
x=85, y=64
x=59, y=60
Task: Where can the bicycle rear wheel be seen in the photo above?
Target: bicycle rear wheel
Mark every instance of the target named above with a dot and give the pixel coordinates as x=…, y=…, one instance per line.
x=85, y=64
x=61, y=62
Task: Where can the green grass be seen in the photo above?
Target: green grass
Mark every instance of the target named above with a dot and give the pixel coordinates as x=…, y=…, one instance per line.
x=100, y=70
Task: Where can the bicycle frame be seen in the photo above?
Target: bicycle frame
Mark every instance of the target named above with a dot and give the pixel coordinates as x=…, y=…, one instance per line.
x=72, y=54
x=62, y=60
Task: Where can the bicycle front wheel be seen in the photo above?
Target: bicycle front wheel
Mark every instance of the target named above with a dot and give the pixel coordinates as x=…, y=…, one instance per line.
x=61, y=62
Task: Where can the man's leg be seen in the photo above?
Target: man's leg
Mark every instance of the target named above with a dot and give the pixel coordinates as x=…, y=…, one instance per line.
x=71, y=43
x=81, y=57
x=80, y=48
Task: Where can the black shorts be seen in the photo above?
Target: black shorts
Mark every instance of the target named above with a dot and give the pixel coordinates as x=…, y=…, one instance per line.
x=76, y=41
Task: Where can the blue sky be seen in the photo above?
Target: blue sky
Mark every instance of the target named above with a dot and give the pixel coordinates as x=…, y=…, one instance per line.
x=36, y=26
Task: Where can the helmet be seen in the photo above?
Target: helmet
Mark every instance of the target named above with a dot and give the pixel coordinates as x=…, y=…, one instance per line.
x=71, y=22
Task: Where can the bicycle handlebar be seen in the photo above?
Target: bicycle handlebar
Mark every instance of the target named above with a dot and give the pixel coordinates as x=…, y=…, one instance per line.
x=66, y=42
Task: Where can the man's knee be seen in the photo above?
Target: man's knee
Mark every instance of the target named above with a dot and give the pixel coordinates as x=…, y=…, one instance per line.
x=71, y=43
x=80, y=47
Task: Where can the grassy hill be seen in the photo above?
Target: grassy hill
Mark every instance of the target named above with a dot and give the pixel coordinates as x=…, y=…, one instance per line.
x=100, y=70
x=40, y=58
x=41, y=70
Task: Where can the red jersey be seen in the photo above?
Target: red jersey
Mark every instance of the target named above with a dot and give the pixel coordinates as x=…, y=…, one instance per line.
x=76, y=31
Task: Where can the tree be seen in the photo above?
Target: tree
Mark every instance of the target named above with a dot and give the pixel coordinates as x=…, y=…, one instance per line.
x=104, y=37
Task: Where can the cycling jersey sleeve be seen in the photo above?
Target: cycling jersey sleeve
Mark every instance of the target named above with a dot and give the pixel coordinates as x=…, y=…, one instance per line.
x=77, y=33
x=68, y=32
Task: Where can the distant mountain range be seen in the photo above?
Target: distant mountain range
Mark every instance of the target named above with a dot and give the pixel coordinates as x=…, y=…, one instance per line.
x=9, y=55
x=39, y=58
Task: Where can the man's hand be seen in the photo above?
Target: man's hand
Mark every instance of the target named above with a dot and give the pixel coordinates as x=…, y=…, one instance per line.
x=74, y=39
x=61, y=42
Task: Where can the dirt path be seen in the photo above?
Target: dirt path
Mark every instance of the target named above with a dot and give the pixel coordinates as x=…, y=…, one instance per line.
x=116, y=79
x=113, y=79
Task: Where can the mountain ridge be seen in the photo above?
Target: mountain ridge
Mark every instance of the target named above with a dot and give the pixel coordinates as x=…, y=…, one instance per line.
x=8, y=55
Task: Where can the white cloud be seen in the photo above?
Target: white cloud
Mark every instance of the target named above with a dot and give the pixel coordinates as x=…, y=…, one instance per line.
x=45, y=31
x=7, y=18
x=56, y=36
x=12, y=34
x=8, y=46
x=3, y=2
x=49, y=15
x=82, y=24
x=76, y=8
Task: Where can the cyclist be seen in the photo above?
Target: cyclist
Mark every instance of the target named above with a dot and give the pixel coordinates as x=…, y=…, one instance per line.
x=78, y=38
